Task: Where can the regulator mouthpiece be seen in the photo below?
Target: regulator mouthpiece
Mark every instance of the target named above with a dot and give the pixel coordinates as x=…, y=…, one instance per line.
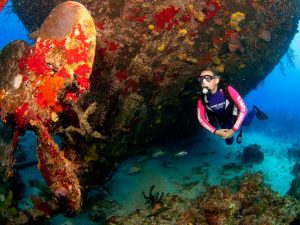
x=205, y=90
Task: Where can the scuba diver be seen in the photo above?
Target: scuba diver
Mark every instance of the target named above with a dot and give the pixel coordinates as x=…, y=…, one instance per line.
x=222, y=104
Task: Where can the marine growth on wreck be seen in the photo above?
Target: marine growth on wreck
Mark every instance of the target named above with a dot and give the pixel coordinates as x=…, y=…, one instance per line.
x=110, y=78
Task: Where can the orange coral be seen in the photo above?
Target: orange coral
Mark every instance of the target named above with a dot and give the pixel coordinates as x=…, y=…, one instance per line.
x=47, y=91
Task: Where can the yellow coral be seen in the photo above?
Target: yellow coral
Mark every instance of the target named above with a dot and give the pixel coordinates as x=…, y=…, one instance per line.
x=54, y=117
x=182, y=56
x=220, y=68
x=161, y=48
x=216, y=60
x=151, y=27
x=235, y=19
x=192, y=60
x=200, y=16
x=182, y=32
x=238, y=16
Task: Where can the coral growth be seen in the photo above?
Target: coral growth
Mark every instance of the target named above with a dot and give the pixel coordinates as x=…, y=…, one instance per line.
x=59, y=173
x=154, y=199
x=236, y=19
x=51, y=76
x=85, y=129
x=10, y=216
x=6, y=208
x=143, y=79
x=147, y=57
x=2, y=4
x=244, y=201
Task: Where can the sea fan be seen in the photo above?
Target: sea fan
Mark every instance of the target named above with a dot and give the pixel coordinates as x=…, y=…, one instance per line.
x=102, y=115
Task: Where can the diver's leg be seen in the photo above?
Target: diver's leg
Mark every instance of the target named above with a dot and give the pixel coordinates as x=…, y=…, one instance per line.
x=239, y=138
x=248, y=119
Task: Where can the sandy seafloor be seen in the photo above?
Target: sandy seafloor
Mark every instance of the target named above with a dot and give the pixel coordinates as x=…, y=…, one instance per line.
x=185, y=175
x=205, y=154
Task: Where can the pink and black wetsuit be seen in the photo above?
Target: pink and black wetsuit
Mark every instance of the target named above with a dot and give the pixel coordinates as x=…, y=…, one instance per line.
x=229, y=110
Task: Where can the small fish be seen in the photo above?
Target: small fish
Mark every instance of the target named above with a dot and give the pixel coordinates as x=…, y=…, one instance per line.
x=2, y=198
x=181, y=153
x=141, y=159
x=158, y=153
x=134, y=170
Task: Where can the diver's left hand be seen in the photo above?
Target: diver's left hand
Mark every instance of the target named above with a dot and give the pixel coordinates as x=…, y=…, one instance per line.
x=229, y=133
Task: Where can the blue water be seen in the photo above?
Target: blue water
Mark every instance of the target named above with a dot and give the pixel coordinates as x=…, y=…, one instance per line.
x=11, y=28
x=278, y=96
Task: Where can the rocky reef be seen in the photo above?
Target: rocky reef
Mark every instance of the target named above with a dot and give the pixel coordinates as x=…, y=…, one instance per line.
x=252, y=154
x=143, y=81
x=247, y=200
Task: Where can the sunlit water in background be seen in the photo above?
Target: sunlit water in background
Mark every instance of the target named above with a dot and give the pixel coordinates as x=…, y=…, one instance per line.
x=278, y=96
x=11, y=28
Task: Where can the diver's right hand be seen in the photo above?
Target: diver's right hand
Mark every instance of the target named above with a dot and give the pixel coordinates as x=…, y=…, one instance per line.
x=222, y=133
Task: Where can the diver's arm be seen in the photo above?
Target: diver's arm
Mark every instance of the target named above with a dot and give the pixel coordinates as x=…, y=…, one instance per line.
x=202, y=118
x=239, y=102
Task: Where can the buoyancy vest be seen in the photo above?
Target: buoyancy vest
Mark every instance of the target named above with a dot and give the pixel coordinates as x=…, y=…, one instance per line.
x=231, y=111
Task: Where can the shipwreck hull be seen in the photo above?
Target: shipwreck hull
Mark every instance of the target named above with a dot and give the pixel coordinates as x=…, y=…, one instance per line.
x=147, y=59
